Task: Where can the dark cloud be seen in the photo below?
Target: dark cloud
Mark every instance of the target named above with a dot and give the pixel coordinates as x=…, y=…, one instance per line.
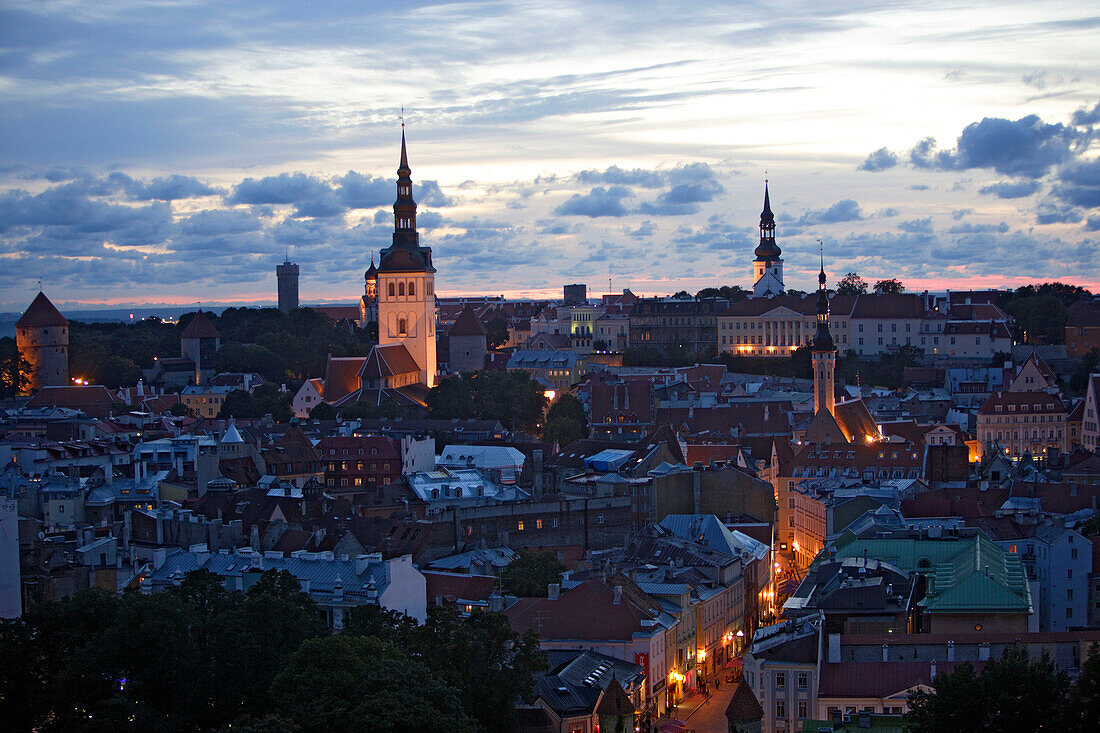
x=1057, y=214
x=879, y=160
x=170, y=188
x=359, y=191
x=309, y=195
x=978, y=228
x=643, y=231
x=1024, y=147
x=1080, y=184
x=1085, y=116
x=918, y=187
x=690, y=185
x=618, y=176
x=1092, y=224
x=917, y=226
x=598, y=202
x=887, y=213
x=214, y=222
x=429, y=193
x=1011, y=189
x=960, y=214
x=841, y=211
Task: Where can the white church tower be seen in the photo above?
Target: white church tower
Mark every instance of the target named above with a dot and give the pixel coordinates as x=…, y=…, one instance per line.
x=767, y=268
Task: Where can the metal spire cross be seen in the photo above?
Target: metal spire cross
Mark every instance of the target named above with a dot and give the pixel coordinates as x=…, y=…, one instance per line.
x=402, y=116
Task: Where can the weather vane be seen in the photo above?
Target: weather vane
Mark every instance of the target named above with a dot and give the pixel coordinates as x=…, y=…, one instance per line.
x=402, y=116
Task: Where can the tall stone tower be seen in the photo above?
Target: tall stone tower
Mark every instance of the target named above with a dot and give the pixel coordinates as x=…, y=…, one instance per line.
x=406, y=282
x=287, y=274
x=42, y=337
x=200, y=342
x=823, y=352
x=767, y=268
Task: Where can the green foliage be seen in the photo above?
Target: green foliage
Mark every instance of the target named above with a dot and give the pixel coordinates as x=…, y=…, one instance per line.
x=346, y=682
x=14, y=369
x=195, y=657
x=796, y=365
x=1040, y=310
x=513, y=398
x=181, y=410
x=1012, y=693
x=323, y=411
x=565, y=421
x=851, y=284
x=529, y=574
x=1090, y=362
x=113, y=354
x=682, y=295
x=893, y=286
x=267, y=399
x=1083, y=709
x=726, y=292
x=496, y=332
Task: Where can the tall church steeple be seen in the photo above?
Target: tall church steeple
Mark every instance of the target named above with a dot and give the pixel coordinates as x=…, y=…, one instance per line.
x=404, y=208
x=767, y=268
x=823, y=351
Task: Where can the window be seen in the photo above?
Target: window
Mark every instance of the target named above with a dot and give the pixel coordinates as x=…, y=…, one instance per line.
x=402, y=326
x=780, y=709
x=391, y=290
x=538, y=524
x=412, y=289
x=780, y=680
x=401, y=288
x=802, y=681
x=802, y=709
x=519, y=526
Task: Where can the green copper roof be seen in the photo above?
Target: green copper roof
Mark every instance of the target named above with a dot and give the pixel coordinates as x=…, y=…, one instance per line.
x=964, y=573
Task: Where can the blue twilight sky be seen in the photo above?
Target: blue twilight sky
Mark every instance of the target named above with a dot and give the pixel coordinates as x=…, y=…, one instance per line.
x=169, y=152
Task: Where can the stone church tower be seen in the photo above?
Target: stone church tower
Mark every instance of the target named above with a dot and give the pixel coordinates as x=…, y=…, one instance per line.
x=406, y=282
x=823, y=353
x=42, y=337
x=767, y=268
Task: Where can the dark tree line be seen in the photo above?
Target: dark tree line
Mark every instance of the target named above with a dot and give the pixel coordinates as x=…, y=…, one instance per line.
x=201, y=658
x=513, y=398
x=1010, y=694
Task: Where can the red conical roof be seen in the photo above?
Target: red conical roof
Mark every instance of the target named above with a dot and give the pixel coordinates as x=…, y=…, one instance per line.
x=467, y=324
x=42, y=312
x=200, y=328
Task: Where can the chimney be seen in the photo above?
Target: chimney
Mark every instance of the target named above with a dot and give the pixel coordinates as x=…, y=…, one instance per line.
x=834, y=648
x=552, y=591
x=886, y=652
x=933, y=673
x=983, y=651
x=951, y=651
x=618, y=594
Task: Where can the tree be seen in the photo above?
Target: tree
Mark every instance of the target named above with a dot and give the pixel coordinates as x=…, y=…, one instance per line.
x=1079, y=382
x=565, y=421
x=341, y=682
x=1012, y=693
x=267, y=399
x=892, y=286
x=323, y=411
x=530, y=573
x=851, y=284
x=496, y=332
x=682, y=295
x=1083, y=709
x=181, y=410
x=513, y=398
x=14, y=369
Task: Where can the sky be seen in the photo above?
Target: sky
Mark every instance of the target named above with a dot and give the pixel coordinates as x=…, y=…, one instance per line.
x=174, y=152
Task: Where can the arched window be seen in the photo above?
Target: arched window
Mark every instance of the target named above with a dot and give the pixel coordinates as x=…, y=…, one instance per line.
x=412, y=289
x=391, y=290
x=402, y=326
x=401, y=288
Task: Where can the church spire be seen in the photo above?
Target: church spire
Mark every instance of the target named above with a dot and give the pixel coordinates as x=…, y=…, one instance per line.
x=823, y=351
x=767, y=250
x=404, y=208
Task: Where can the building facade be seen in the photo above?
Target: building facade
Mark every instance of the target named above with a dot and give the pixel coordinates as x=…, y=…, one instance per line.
x=287, y=276
x=42, y=337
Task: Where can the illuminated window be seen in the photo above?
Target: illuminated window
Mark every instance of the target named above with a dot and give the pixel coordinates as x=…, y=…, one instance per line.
x=519, y=526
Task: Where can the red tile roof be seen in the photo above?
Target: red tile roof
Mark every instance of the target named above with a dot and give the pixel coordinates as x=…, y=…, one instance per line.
x=388, y=361
x=878, y=679
x=904, y=305
x=338, y=312
x=587, y=612
x=454, y=586
x=41, y=312
x=1023, y=401
x=342, y=376
x=94, y=400
x=200, y=327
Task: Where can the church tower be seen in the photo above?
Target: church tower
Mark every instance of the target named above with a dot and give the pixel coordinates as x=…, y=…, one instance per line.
x=823, y=352
x=767, y=268
x=368, y=304
x=406, y=282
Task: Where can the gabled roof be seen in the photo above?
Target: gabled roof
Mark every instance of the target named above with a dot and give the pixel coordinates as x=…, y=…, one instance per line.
x=342, y=376
x=41, y=312
x=200, y=327
x=94, y=400
x=387, y=361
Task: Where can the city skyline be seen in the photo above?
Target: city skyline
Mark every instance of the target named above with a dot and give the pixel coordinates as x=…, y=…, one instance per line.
x=171, y=153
